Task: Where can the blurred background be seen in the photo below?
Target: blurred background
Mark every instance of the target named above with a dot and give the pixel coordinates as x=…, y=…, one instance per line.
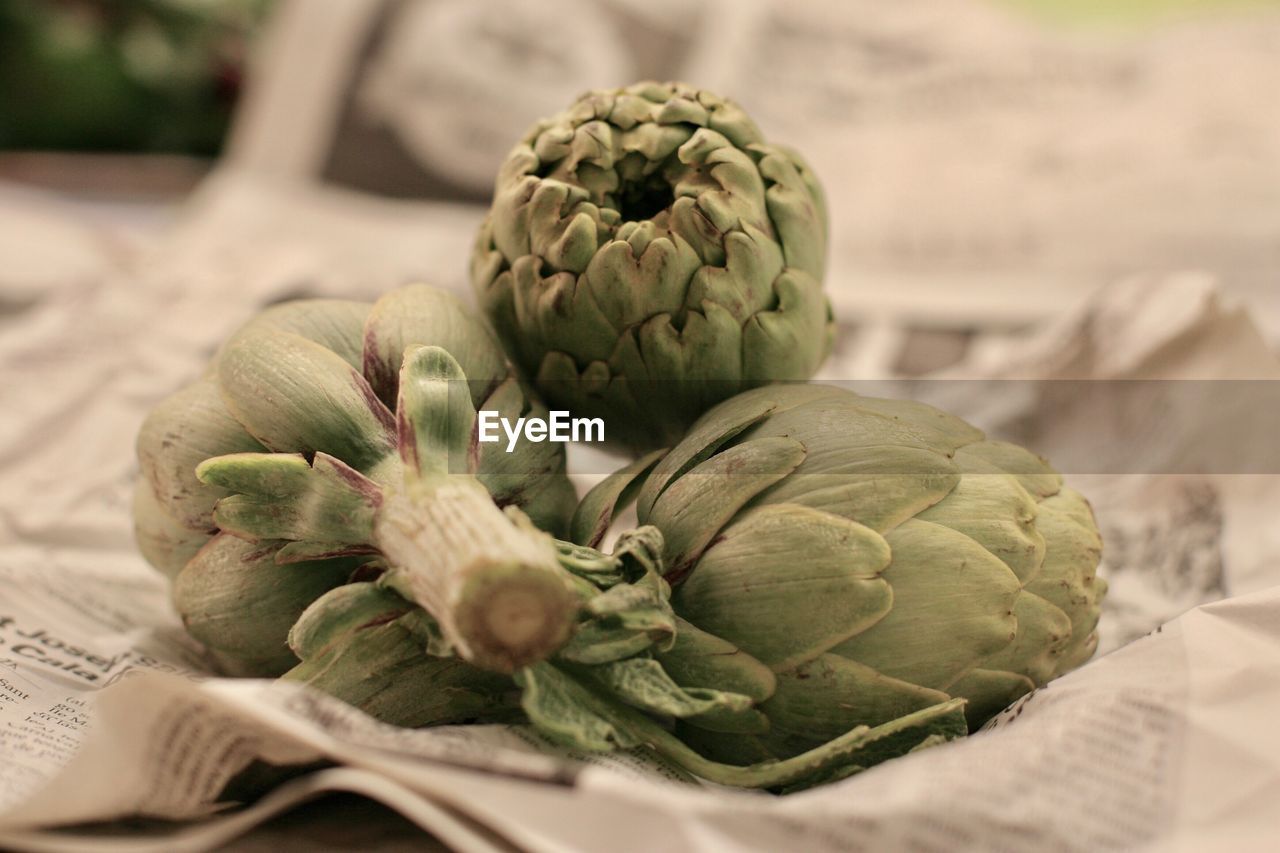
x=988, y=163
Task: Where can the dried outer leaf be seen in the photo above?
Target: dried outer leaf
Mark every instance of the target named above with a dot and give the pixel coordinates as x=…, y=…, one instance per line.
x=281, y=496
x=622, y=621
x=383, y=671
x=295, y=396
x=435, y=419
x=165, y=543
x=641, y=553
x=182, y=431
x=566, y=710
x=643, y=683
x=601, y=570
x=234, y=598
x=570, y=713
x=597, y=643
x=693, y=509
x=340, y=612
x=419, y=315
x=750, y=588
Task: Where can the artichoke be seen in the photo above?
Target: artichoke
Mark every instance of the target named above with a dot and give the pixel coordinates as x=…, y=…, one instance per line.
x=333, y=440
x=630, y=669
x=648, y=254
x=875, y=557
x=824, y=581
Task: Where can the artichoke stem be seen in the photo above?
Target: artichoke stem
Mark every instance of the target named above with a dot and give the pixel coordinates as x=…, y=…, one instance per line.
x=494, y=586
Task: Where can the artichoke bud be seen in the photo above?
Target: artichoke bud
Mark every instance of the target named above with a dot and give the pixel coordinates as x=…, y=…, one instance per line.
x=648, y=255
x=327, y=431
x=877, y=557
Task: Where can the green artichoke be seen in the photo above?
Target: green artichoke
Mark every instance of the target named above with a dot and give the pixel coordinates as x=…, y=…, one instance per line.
x=648, y=255
x=824, y=581
x=876, y=557
x=631, y=669
x=333, y=440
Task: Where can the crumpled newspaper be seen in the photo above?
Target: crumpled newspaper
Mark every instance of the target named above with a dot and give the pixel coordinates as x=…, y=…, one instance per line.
x=1166, y=741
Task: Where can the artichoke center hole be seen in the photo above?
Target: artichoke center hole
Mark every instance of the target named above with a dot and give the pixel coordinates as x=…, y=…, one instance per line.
x=644, y=199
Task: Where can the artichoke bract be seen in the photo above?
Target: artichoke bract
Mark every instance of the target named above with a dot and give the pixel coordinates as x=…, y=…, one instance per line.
x=648, y=254
x=871, y=558
x=333, y=440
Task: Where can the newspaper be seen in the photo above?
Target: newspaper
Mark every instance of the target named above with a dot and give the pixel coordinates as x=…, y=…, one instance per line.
x=1165, y=741
x=108, y=710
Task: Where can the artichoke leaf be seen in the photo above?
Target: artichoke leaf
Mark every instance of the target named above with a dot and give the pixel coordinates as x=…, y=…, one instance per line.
x=234, y=598
x=991, y=457
x=988, y=692
x=997, y=513
x=1068, y=578
x=796, y=209
x=382, y=671
x=777, y=344
x=293, y=395
x=879, y=486
x=721, y=426
x=953, y=605
x=752, y=589
x=281, y=496
x=164, y=542
x=435, y=418
x=186, y=428
x=699, y=657
x=1043, y=634
x=335, y=324
x=694, y=508
x=831, y=694
x=625, y=607
x=419, y=315
x=306, y=550
x=340, y=612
